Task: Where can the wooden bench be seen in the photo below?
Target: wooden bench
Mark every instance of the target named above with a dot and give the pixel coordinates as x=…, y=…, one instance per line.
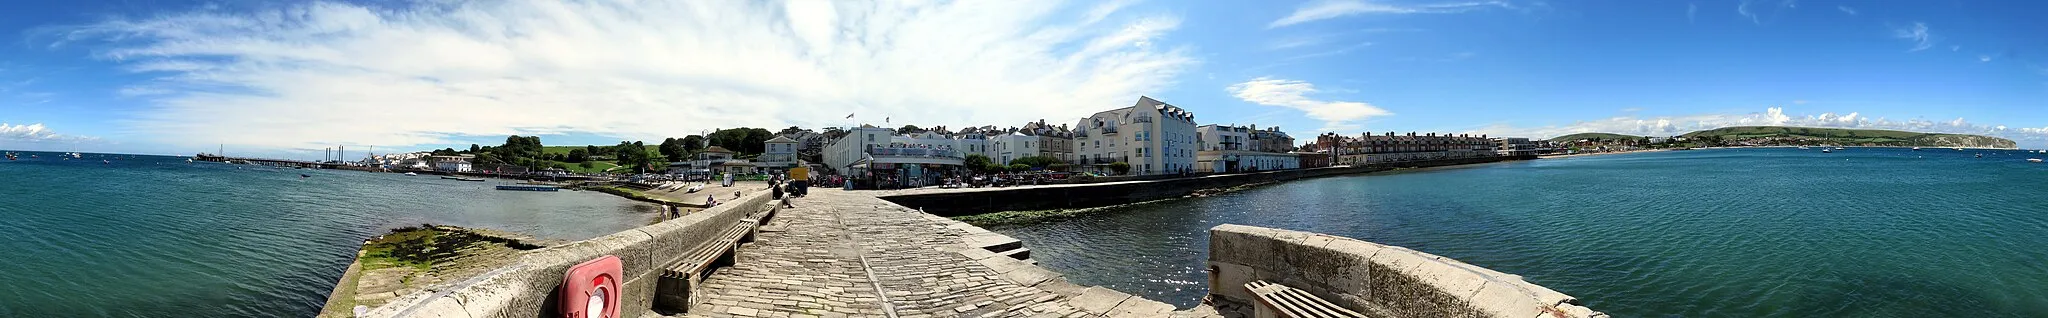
x=676, y=289
x=1277, y=300
x=761, y=218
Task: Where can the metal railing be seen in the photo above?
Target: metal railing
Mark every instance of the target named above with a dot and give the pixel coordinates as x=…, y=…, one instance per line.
x=915, y=152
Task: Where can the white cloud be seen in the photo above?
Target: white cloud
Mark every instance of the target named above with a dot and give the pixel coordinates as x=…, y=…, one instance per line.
x=1327, y=9
x=324, y=73
x=1336, y=115
x=1917, y=33
x=1847, y=9
x=1983, y=58
x=34, y=133
x=1772, y=116
x=1691, y=9
x=1749, y=8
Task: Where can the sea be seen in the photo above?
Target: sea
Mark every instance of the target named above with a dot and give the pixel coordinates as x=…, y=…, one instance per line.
x=1761, y=232
x=112, y=235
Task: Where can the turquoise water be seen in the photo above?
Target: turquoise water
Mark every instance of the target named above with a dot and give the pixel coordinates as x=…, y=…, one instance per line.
x=1706, y=233
x=158, y=237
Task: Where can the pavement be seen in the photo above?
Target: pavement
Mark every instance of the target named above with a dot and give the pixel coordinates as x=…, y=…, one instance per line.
x=849, y=254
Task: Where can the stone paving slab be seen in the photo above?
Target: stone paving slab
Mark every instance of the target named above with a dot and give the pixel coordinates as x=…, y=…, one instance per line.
x=849, y=254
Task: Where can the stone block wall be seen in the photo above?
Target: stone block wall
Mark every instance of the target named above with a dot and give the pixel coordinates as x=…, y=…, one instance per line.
x=530, y=286
x=1373, y=279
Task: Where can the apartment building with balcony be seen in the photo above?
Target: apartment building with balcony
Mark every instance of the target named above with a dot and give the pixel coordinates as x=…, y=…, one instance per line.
x=1153, y=137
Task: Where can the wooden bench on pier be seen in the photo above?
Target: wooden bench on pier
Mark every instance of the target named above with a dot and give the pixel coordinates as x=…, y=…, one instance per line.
x=760, y=218
x=676, y=289
x=1277, y=300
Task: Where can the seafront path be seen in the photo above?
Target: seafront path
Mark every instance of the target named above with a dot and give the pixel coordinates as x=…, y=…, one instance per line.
x=848, y=254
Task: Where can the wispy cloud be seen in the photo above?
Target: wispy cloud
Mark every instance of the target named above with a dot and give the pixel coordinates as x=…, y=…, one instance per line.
x=1327, y=9
x=429, y=72
x=1759, y=10
x=1336, y=115
x=1772, y=116
x=1691, y=10
x=1847, y=9
x=34, y=133
x=1917, y=33
x=1983, y=58
x=1294, y=41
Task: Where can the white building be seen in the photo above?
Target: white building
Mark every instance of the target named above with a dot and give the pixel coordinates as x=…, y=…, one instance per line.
x=779, y=154
x=1219, y=137
x=1227, y=161
x=1516, y=147
x=452, y=163
x=1010, y=146
x=1152, y=136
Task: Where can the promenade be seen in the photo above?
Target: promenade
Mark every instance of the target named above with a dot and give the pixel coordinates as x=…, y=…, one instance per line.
x=849, y=254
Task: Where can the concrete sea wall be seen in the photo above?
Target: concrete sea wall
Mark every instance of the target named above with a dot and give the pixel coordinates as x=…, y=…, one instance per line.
x=1373, y=279
x=528, y=287
x=1076, y=196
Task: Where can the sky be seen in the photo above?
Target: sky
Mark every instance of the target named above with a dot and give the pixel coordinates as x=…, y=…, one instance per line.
x=289, y=78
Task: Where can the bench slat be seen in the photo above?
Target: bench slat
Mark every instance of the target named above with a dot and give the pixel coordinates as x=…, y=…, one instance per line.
x=1294, y=302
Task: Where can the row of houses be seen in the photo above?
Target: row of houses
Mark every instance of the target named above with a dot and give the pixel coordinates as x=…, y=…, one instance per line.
x=1149, y=137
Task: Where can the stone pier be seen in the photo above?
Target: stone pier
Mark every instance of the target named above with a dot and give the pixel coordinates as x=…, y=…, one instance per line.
x=841, y=254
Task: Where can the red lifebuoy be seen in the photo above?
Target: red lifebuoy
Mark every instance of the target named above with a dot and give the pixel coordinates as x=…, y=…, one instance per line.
x=591, y=289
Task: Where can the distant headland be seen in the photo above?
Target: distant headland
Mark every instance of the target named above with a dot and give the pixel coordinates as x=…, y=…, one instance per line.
x=1809, y=136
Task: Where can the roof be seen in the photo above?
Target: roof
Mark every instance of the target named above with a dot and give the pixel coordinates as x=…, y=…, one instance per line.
x=717, y=149
x=781, y=139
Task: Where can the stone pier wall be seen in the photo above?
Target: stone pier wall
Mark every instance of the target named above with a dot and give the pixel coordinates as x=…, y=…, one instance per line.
x=1373, y=279
x=529, y=287
x=1077, y=196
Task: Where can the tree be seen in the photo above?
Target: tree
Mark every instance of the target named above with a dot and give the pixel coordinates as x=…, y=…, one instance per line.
x=1035, y=161
x=672, y=149
x=578, y=155
x=1020, y=167
x=587, y=165
x=909, y=129
x=444, y=152
x=742, y=140
x=976, y=162
x=633, y=155
x=691, y=144
x=473, y=148
x=1120, y=167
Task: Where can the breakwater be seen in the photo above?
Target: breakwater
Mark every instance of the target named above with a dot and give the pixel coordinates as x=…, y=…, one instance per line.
x=1374, y=279
x=530, y=285
x=962, y=202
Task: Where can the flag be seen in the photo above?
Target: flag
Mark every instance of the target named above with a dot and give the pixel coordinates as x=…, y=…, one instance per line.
x=849, y=115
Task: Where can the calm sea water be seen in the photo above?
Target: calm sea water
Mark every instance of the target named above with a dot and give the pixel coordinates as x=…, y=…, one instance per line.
x=158, y=237
x=1706, y=233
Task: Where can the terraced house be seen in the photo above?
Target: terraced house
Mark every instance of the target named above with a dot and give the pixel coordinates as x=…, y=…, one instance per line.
x=1373, y=149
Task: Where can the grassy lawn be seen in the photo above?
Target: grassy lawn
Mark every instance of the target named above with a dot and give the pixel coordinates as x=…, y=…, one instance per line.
x=595, y=167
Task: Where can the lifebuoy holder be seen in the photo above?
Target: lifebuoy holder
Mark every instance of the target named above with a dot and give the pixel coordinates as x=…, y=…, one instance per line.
x=591, y=289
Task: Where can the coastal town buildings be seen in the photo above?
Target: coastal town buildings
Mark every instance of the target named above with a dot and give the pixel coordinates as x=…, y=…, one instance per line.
x=1310, y=159
x=711, y=159
x=1010, y=146
x=1270, y=139
x=879, y=155
x=1516, y=147
x=1055, y=142
x=779, y=153
x=1226, y=148
x=1391, y=147
x=1153, y=137
x=457, y=163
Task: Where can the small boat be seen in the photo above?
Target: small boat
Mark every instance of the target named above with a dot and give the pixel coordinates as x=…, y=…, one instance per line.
x=12, y=156
x=1980, y=155
x=302, y=175
x=695, y=188
x=411, y=174
x=1958, y=148
x=1916, y=148
x=2035, y=160
x=1825, y=150
x=1803, y=148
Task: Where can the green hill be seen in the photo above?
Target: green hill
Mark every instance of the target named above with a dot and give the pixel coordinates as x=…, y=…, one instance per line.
x=1774, y=135
x=1595, y=136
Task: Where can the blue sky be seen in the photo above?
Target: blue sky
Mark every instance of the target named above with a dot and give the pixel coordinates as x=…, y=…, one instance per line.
x=289, y=78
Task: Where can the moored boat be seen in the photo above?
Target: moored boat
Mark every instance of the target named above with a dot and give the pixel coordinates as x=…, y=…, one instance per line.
x=2033, y=159
x=411, y=174
x=1916, y=148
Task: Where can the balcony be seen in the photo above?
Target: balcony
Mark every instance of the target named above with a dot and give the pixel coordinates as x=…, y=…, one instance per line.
x=1101, y=161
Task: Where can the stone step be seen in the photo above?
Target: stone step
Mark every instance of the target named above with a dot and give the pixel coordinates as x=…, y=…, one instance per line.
x=1019, y=254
